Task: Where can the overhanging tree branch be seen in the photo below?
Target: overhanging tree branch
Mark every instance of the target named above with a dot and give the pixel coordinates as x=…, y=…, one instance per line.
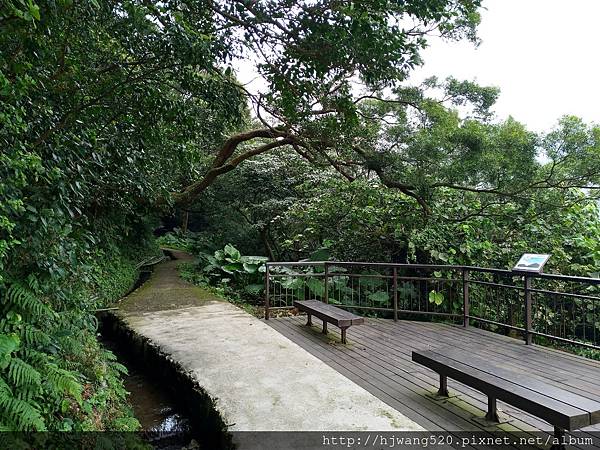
x=224, y=162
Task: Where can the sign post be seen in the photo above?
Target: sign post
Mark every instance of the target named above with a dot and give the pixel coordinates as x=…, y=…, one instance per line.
x=529, y=263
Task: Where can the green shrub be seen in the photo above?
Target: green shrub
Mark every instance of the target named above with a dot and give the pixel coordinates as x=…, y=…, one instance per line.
x=240, y=276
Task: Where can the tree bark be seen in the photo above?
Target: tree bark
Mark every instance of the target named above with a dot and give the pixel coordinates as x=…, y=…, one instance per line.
x=225, y=162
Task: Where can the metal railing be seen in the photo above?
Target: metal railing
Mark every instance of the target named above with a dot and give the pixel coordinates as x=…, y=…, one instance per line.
x=555, y=307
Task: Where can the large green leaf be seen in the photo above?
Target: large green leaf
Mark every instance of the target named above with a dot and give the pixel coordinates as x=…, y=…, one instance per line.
x=436, y=297
x=250, y=268
x=321, y=254
x=232, y=252
x=380, y=298
x=231, y=268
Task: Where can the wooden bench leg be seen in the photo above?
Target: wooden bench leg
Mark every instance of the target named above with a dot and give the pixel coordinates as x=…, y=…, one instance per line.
x=559, y=434
x=492, y=412
x=324, y=327
x=443, y=386
x=344, y=335
x=309, y=322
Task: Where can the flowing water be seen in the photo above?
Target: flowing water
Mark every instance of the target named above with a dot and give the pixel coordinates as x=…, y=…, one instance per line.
x=164, y=424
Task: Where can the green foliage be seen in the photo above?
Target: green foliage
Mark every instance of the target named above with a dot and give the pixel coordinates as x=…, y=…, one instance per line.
x=29, y=375
x=436, y=297
x=239, y=273
x=93, y=116
x=52, y=367
x=177, y=240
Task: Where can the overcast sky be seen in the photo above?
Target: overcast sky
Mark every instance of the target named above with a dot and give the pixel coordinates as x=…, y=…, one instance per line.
x=543, y=54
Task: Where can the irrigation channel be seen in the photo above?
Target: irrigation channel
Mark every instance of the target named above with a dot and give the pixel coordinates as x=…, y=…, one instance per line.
x=159, y=396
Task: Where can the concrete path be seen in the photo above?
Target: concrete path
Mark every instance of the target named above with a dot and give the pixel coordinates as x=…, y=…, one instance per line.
x=261, y=380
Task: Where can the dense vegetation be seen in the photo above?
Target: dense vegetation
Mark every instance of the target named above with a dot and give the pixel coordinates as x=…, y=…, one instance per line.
x=114, y=114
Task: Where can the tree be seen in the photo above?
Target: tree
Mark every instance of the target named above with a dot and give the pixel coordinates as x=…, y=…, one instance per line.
x=335, y=74
x=312, y=54
x=103, y=112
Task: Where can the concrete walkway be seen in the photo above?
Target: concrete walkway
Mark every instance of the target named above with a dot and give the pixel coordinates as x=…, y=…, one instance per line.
x=260, y=379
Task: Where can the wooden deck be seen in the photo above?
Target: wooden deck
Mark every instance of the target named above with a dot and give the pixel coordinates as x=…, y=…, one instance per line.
x=378, y=358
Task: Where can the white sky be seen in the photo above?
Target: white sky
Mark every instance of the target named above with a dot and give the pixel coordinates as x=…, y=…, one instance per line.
x=542, y=54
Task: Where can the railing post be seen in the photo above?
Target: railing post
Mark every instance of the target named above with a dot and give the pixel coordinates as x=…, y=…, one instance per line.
x=528, y=319
x=266, y=292
x=326, y=280
x=395, y=278
x=466, y=303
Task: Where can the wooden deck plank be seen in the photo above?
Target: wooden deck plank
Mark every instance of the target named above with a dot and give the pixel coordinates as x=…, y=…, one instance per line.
x=523, y=359
x=538, y=355
x=411, y=409
x=407, y=389
x=557, y=412
x=377, y=373
x=380, y=355
x=525, y=365
x=473, y=396
x=416, y=407
x=386, y=354
x=531, y=383
x=510, y=351
x=435, y=337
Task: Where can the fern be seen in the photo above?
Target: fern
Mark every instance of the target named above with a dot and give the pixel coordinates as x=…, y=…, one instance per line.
x=22, y=414
x=17, y=413
x=20, y=373
x=23, y=299
x=120, y=368
x=64, y=381
x=4, y=388
x=33, y=336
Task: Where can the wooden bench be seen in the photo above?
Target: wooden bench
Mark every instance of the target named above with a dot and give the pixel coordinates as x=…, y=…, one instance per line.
x=561, y=408
x=329, y=313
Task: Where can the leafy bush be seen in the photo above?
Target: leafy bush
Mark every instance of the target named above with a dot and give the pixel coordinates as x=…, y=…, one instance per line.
x=54, y=375
x=235, y=272
x=188, y=241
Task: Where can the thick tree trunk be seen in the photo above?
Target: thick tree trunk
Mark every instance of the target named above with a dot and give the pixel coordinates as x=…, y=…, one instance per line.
x=264, y=237
x=185, y=219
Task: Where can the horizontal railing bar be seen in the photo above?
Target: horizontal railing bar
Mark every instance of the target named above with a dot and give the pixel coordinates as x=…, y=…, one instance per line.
x=397, y=265
x=389, y=277
x=564, y=294
x=506, y=272
x=373, y=264
x=546, y=285
x=294, y=263
x=430, y=313
x=373, y=308
x=489, y=283
x=359, y=275
x=451, y=280
x=405, y=311
x=493, y=322
x=299, y=275
x=568, y=341
x=551, y=276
